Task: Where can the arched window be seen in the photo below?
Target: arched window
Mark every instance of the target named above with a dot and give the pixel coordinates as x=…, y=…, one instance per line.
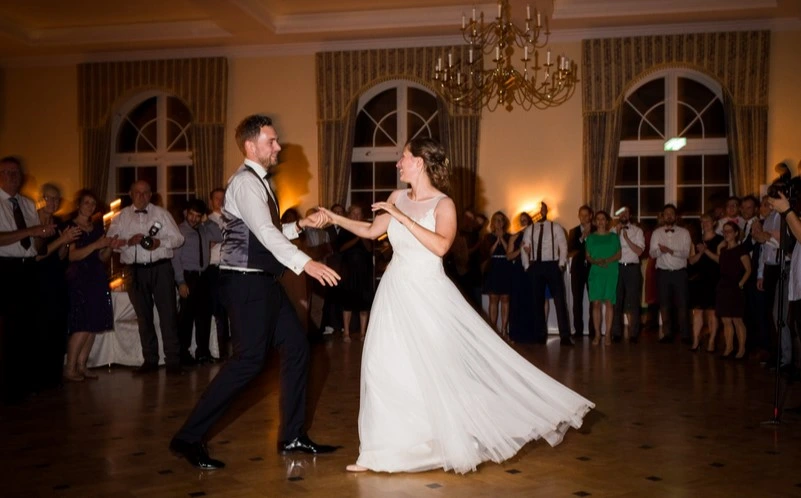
x=390, y=114
x=673, y=104
x=150, y=141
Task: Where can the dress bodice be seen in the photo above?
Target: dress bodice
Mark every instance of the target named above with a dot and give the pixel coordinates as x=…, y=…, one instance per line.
x=406, y=249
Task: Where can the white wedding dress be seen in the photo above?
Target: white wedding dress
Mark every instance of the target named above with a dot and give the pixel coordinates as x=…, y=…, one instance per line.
x=439, y=388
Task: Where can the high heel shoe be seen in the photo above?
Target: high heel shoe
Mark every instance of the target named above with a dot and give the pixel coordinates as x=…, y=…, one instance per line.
x=596, y=340
x=695, y=348
x=740, y=356
x=355, y=467
x=727, y=356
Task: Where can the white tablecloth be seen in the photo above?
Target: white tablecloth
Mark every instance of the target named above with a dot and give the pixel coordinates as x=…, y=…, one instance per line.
x=122, y=345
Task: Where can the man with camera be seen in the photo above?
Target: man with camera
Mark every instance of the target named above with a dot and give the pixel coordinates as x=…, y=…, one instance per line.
x=151, y=236
x=784, y=208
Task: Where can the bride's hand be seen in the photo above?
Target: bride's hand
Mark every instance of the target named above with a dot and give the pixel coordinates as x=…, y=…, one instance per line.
x=330, y=216
x=386, y=206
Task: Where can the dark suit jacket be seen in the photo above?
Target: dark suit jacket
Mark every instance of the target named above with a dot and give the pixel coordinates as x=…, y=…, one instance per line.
x=576, y=248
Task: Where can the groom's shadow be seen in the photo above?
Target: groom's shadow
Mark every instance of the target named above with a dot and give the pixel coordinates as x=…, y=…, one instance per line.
x=268, y=382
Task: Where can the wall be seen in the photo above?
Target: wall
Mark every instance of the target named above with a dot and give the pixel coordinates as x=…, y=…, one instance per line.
x=524, y=157
x=39, y=123
x=784, y=116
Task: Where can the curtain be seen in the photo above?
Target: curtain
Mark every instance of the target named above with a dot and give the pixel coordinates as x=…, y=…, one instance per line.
x=344, y=76
x=95, y=155
x=739, y=61
x=202, y=84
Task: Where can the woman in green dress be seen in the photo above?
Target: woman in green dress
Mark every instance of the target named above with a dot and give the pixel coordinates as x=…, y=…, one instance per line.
x=603, y=253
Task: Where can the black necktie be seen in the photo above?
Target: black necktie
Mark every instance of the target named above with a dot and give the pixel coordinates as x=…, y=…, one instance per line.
x=273, y=204
x=539, y=242
x=140, y=211
x=19, y=219
x=200, y=248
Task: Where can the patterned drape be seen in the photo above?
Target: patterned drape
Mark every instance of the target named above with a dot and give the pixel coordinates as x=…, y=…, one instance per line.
x=343, y=76
x=739, y=61
x=202, y=84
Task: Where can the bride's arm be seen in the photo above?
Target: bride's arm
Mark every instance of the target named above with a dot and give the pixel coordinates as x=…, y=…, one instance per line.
x=438, y=241
x=363, y=229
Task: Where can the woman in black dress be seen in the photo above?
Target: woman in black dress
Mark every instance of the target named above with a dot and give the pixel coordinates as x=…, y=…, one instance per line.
x=521, y=313
x=90, y=309
x=735, y=268
x=356, y=286
x=704, y=276
x=498, y=275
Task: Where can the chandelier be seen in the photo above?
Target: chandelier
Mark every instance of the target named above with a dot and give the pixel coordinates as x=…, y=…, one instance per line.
x=540, y=83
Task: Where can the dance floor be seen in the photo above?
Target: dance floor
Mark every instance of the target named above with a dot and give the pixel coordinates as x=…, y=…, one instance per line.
x=668, y=422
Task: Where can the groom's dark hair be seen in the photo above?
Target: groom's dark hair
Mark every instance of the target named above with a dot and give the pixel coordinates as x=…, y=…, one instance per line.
x=249, y=128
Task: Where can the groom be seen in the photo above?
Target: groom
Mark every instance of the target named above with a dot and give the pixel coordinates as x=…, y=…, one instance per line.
x=255, y=252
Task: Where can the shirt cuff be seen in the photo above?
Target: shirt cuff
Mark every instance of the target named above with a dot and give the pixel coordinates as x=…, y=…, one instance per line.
x=298, y=261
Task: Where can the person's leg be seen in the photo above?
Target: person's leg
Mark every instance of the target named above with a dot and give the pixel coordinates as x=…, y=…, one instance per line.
x=253, y=303
x=185, y=325
x=619, y=308
x=698, y=324
x=166, y=304
x=494, y=301
x=712, y=326
x=73, y=350
x=728, y=336
x=609, y=309
x=346, y=315
x=363, y=317
x=291, y=342
x=538, y=283
x=556, y=282
x=681, y=294
x=739, y=328
x=83, y=356
x=505, y=315
x=140, y=294
x=596, y=319
x=203, y=306
x=578, y=280
x=665, y=304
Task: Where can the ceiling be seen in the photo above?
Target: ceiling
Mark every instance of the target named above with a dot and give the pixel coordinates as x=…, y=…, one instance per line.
x=50, y=31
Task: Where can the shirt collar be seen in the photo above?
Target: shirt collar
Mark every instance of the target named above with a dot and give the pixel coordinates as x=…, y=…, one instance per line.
x=258, y=168
x=147, y=208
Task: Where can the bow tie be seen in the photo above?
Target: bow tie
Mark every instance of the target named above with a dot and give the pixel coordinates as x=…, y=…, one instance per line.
x=669, y=230
x=140, y=211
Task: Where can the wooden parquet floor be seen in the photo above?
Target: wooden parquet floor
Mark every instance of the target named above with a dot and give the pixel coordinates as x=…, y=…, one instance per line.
x=668, y=423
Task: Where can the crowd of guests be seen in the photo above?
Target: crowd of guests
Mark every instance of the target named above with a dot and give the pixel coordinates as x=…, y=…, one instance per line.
x=693, y=278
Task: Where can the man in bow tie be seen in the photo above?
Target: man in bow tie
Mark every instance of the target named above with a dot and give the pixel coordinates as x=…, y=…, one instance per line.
x=732, y=213
x=151, y=279
x=671, y=246
x=629, y=283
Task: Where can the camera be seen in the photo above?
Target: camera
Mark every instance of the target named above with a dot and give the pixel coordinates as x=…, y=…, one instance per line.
x=147, y=240
x=785, y=183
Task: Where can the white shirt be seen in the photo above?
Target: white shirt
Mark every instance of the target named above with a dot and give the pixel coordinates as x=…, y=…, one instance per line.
x=794, y=283
x=554, y=243
x=767, y=256
x=637, y=236
x=678, y=240
x=129, y=223
x=215, y=249
x=246, y=199
x=8, y=224
x=737, y=219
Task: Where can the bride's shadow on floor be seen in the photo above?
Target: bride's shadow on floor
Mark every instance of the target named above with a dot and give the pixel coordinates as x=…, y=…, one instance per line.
x=268, y=383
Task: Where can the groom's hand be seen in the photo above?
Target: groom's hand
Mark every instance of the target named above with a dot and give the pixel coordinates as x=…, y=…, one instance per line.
x=321, y=273
x=316, y=220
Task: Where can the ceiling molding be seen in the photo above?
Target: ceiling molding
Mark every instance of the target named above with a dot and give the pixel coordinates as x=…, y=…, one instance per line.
x=583, y=9
x=294, y=49
x=258, y=11
x=377, y=19
x=124, y=33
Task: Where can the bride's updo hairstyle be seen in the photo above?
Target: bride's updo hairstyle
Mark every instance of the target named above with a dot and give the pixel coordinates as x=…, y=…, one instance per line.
x=436, y=164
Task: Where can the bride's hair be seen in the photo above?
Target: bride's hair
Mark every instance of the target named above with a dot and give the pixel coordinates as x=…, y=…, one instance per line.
x=436, y=164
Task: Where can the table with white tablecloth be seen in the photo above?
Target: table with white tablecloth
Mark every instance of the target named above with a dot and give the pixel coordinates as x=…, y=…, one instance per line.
x=122, y=346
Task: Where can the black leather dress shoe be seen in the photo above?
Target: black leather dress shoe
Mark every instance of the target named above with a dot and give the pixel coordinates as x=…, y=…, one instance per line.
x=175, y=370
x=565, y=341
x=666, y=339
x=302, y=444
x=195, y=453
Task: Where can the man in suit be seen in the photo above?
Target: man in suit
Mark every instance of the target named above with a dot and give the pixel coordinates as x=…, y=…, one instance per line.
x=544, y=256
x=670, y=246
x=255, y=252
x=579, y=268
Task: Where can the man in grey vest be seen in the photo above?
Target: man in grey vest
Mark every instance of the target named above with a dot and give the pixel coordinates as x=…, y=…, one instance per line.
x=255, y=252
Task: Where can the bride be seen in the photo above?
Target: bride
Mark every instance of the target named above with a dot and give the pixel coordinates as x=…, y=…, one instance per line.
x=439, y=388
